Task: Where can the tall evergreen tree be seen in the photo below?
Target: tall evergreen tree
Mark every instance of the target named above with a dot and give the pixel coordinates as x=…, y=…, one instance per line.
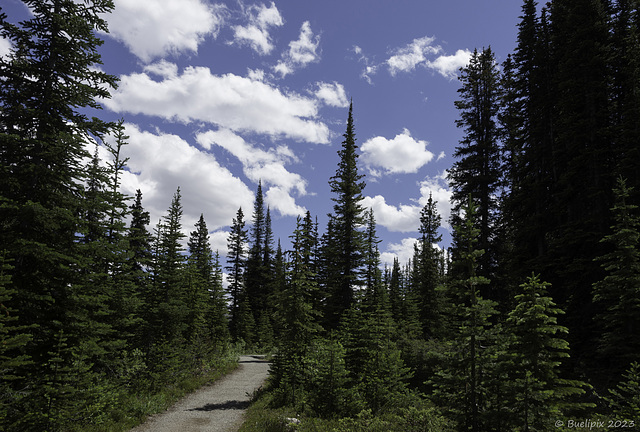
x=12, y=341
x=347, y=220
x=477, y=170
x=200, y=263
x=617, y=293
x=583, y=159
x=299, y=319
x=169, y=283
x=461, y=383
x=536, y=352
x=254, y=283
x=217, y=321
x=140, y=259
x=236, y=260
x=48, y=80
x=426, y=278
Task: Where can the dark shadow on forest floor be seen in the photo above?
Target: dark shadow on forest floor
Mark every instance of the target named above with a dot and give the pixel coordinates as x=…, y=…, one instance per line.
x=228, y=405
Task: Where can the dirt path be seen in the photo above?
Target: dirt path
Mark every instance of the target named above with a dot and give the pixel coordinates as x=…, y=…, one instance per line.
x=215, y=408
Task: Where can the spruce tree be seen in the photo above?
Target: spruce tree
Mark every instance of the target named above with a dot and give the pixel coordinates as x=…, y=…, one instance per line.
x=617, y=293
x=536, y=351
x=12, y=342
x=48, y=80
x=624, y=399
x=426, y=275
x=460, y=384
x=200, y=263
x=217, y=321
x=139, y=264
x=255, y=285
x=236, y=260
x=583, y=149
x=347, y=248
x=477, y=170
x=169, y=283
x=298, y=318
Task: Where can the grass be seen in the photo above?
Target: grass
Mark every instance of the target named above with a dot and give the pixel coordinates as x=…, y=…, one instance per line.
x=133, y=407
x=260, y=417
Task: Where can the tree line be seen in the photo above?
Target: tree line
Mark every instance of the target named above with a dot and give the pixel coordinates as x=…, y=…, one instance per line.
x=530, y=316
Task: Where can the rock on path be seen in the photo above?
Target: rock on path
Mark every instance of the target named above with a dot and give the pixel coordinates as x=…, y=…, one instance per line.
x=217, y=407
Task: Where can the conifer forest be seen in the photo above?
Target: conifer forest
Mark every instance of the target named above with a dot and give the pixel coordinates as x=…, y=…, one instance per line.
x=528, y=321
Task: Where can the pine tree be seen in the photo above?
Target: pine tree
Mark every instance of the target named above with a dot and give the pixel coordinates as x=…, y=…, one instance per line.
x=617, y=293
x=477, y=170
x=169, y=283
x=536, y=352
x=375, y=294
x=582, y=157
x=395, y=296
x=426, y=278
x=624, y=400
x=298, y=318
x=48, y=80
x=347, y=250
x=200, y=263
x=12, y=341
x=460, y=385
x=255, y=285
x=125, y=298
x=139, y=263
x=236, y=260
x=217, y=321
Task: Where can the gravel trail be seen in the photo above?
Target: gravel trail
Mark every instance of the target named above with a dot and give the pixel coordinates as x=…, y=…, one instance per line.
x=217, y=407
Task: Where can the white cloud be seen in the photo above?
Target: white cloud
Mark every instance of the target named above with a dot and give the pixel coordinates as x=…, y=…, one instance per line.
x=402, y=154
x=159, y=163
x=265, y=165
x=448, y=66
x=440, y=192
x=369, y=69
x=407, y=58
x=301, y=52
x=332, y=94
x=163, y=69
x=404, y=218
x=5, y=47
x=256, y=32
x=218, y=241
x=403, y=251
x=280, y=199
x=229, y=101
x=156, y=28
x=420, y=52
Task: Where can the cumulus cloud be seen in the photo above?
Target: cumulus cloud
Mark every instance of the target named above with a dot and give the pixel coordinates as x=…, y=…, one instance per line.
x=229, y=101
x=448, y=66
x=265, y=165
x=218, y=242
x=402, y=154
x=403, y=251
x=407, y=58
x=406, y=217
x=421, y=52
x=156, y=28
x=402, y=218
x=256, y=33
x=438, y=187
x=332, y=94
x=301, y=52
x=5, y=47
x=159, y=163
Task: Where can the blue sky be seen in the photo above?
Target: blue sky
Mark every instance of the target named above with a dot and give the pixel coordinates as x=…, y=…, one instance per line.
x=217, y=95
